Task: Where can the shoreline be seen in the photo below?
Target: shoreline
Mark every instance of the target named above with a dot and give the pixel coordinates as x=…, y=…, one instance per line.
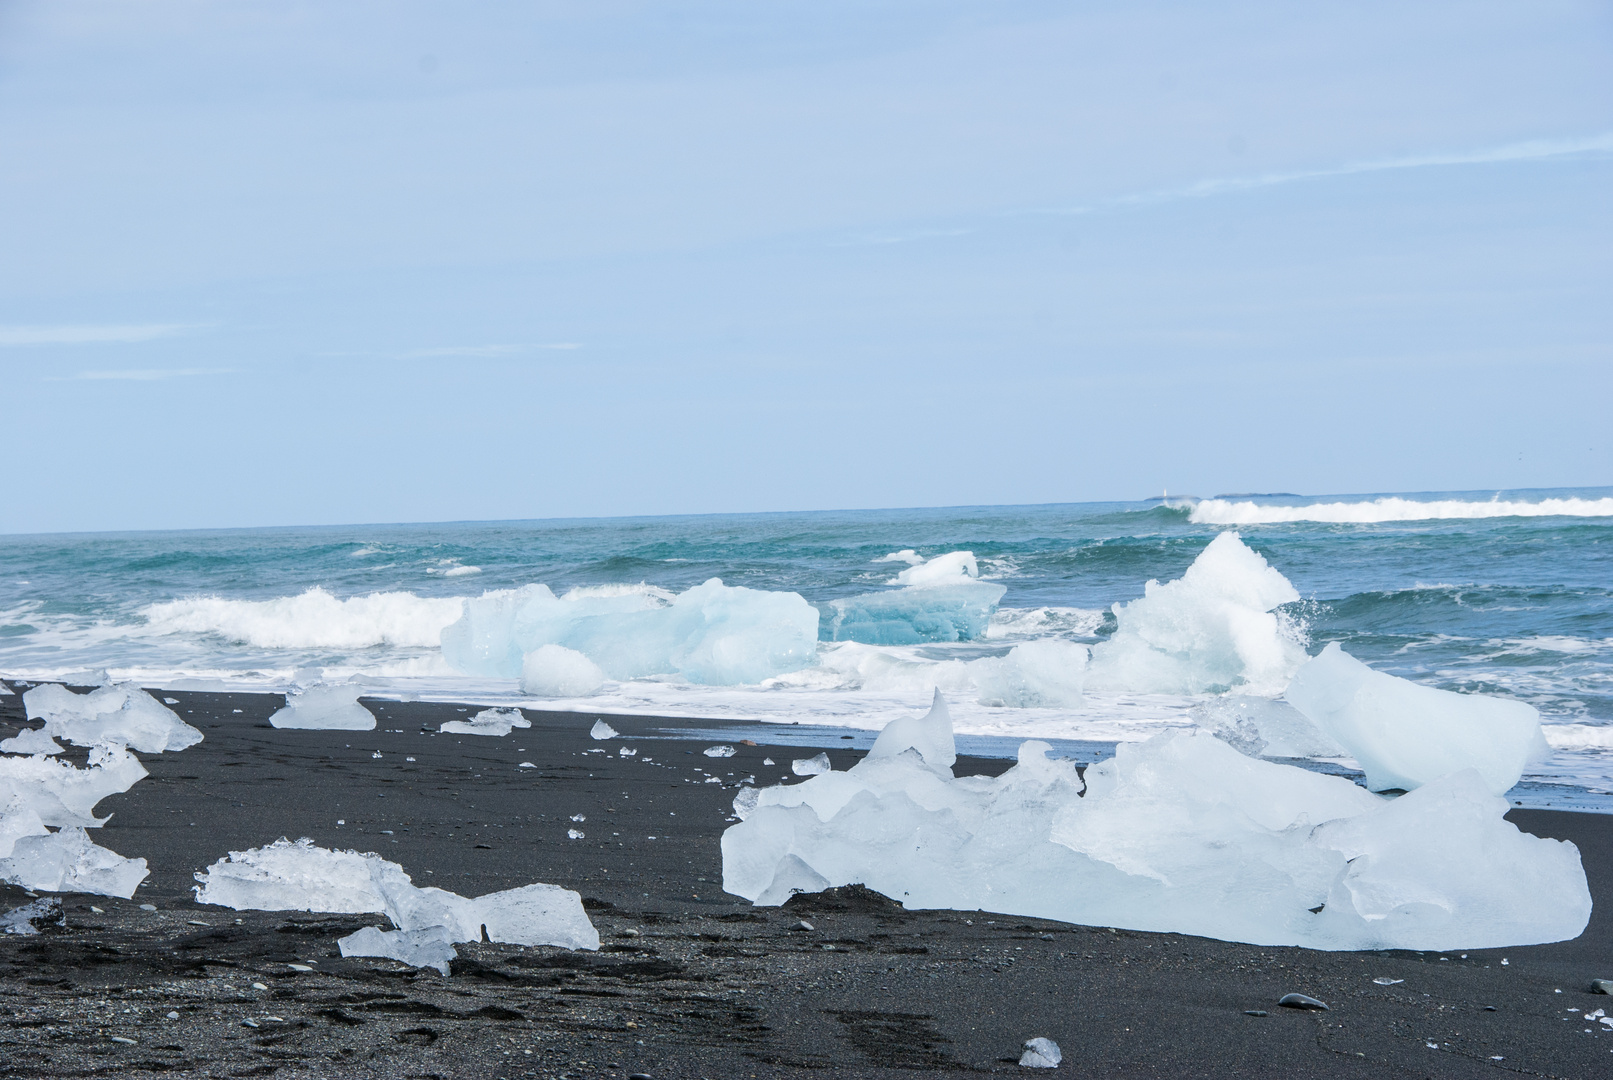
x=689, y=981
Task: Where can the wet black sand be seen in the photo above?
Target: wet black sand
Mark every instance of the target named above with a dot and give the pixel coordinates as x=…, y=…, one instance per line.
x=691, y=982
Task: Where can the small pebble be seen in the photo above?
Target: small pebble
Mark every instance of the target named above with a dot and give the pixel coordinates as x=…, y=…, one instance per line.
x=249, y=1022
x=1301, y=1001
x=259, y=986
x=630, y=933
x=121, y=1039
x=173, y=1016
x=804, y=925
x=1255, y=1012
x=148, y=907
x=638, y=1076
x=305, y=967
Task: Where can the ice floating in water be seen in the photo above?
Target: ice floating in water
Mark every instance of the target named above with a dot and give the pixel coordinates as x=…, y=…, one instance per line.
x=68, y=861
x=417, y=948
x=712, y=634
x=1041, y=1054
x=30, y=741
x=488, y=722
x=286, y=876
x=1405, y=735
x=602, y=730
x=325, y=707
x=957, y=611
x=1180, y=833
x=1212, y=629
x=65, y=796
x=948, y=569
x=811, y=766
x=556, y=671
x=123, y=715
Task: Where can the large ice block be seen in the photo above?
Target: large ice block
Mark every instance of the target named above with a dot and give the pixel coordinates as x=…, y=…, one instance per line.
x=123, y=715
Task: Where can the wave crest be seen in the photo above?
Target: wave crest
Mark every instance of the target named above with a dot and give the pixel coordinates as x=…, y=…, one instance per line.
x=1392, y=508
x=313, y=619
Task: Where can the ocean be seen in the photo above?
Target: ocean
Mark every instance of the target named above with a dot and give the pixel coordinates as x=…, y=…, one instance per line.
x=1504, y=593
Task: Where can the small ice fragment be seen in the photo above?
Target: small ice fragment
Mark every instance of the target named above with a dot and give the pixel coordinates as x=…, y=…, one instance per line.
x=98, y=911
x=259, y=986
x=299, y=967
x=408, y=759
x=602, y=730
x=523, y=765
x=811, y=766
x=719, y=751
x=122, y=715
x=579, y=817
x=1383, y=981
x=1503, y=961
x=341, y=821
x=495, y=722
x=249, y=1022
x=627, y=752
x=24, y=921
x=173, y=1016
x=1041, y=1054
x=575, y=834
x=376, y=755
x=767, y=761
x=170, y=701
x=804, y=925
x=124, y=1040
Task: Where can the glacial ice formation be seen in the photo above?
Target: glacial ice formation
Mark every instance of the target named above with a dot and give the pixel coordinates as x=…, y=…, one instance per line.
x=69, y=861
x=30, y=741
x=63, y=795
x=1180, y=833
x=713, y=633
x=1046, y=673
x=287, y=876
x=325, y=707
x=1405, y=735
x=498, y=722
x=123, y=715
x=556, y=671
x=1214, y=628
x=957, y=610
x=1264, y=727
x=417, y=948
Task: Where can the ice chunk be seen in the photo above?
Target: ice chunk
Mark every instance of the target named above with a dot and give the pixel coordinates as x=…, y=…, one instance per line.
x=1212, y=629
x=5, y=691
x=811, y=766
x=719, y=751
x=1180, y=833
x=602, y=730
x=929, y=735
x=1041, y=1054
x=945, y=569
x=1405, y=735
x=958, y=610
x=24, y=921
x=488, y=722
x=792, y=876
x=30, y=741
x=712, y=634
x=68, y=861
x=301, y=876
x=556, y=671
x=65, y=796
x=124, y=715
x=325, y=707
x=1264, y=727
x=1047, y=673
x=417, y=948
x=18, y=819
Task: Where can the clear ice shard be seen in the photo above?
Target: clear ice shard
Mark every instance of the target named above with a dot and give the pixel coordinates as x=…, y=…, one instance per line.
x=498, y=722
x=1180, y=833
x=326, y=707
x=1405, y=734
x=31, y=741
x=300, y=876
x=417, y=948
x=558, y=672
x=122, y=715
x=602, y=731
x=811, y=766
x=1041, y=1054
x=65, y=796
x=68, y=861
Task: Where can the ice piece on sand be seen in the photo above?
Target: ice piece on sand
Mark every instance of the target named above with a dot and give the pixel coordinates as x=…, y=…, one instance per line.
x=30, y=741
x=68, y=861
x=719, y=751
x=18, y=819
x=417, y=948
x=65, y=796
x=1041, y=1054
x=930, y=735
x=1212, y=629
x=488, y=722
x=325, y=707
x=123, y=715
x=24, y=921
x=1180, y=833
x=5, y=691
x=300, y=876
x=811, y=766
x=1405, y=735
x=556, y=671
x=955, y=609
x=602, y=730
x=1047, y=673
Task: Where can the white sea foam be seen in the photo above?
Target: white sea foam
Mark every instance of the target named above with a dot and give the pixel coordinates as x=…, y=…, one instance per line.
x=941, y=570
x=906, y=555
x=1393, y=508
x=1043, y=622
x=313, y=619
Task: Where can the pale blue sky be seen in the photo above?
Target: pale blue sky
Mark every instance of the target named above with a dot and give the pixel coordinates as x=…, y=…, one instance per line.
x=287, y=263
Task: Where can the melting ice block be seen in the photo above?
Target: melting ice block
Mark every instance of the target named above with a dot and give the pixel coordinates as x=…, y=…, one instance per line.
x=1046, y=673
x=65, y=796
x=417, y=948
x=325, y=706
x=1180, y=833
x=498, y=722
x=957, y=609
x=713, y=633
x=68, y=861
x=602, y=731
x=123, y=715
x=287, y=876
x=18, y=819
x=31, y=741
x=1214, y=628
x=556, y=671
x=1405, y=735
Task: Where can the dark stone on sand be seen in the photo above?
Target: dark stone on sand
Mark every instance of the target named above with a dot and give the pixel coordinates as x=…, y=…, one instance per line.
x=1301, y=1001
x=1255, y=1012
x=1602, y=986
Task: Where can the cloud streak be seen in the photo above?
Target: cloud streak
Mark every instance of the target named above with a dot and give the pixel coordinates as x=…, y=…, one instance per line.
x=142, y=374
x=486, y=350
x=14, y=336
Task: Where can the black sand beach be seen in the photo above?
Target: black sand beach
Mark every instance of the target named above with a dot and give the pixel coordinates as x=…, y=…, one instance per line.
x=690, y=982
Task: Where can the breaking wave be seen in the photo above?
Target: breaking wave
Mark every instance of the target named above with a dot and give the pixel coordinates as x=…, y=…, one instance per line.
x=1227, y=512
x=313, y=619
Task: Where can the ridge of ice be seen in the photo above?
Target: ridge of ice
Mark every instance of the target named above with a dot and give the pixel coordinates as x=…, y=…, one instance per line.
x=1405, y=734
x=498, y=722
x=300, y=876
x=64, y=795
x=123, y=714
x=325, y=707
x=69, y=861
x=1178, y=834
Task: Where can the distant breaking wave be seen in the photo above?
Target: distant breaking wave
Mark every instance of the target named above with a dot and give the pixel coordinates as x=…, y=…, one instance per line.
x=1225, y=512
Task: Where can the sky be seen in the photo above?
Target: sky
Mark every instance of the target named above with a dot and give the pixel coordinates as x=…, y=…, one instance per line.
x=340, y=262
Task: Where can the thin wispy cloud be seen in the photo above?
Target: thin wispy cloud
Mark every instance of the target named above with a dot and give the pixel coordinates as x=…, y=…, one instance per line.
x=122, y=333
x=487, y=350
x=141, y=374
